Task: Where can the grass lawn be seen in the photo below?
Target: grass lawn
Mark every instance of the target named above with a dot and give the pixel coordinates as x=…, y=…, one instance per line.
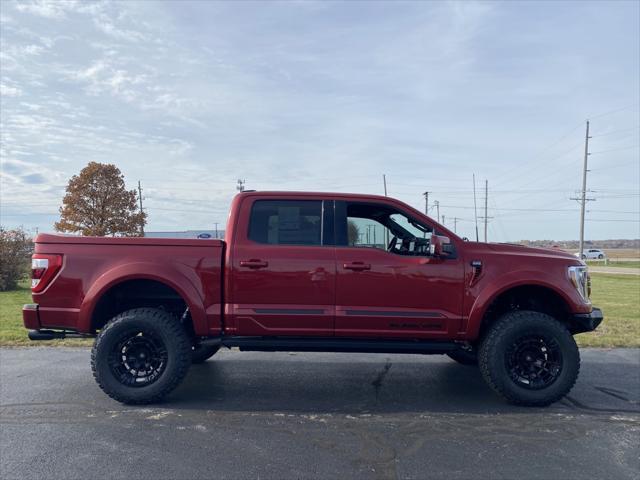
x=617, y=295
x=12, y=332
x=619, y=298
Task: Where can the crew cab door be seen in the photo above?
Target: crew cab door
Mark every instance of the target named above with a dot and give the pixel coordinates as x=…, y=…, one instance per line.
x=397, y=292
x=283, y=268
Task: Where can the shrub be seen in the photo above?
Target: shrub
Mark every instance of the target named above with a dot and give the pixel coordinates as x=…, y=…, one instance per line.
x=15, y=251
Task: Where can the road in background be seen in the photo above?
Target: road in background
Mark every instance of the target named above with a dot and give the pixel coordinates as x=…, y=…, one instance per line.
x=315, y=415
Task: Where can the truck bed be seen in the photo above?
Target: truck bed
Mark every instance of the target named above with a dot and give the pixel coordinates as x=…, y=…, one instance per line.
x=92, y=265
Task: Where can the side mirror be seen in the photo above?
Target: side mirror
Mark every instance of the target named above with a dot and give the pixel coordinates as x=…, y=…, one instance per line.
x=440, y=246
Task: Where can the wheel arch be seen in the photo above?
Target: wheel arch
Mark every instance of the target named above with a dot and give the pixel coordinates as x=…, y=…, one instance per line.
x=162, y=278
x=520, y=295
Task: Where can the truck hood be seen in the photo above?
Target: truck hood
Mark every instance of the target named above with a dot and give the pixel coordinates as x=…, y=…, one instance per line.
x=515, y=249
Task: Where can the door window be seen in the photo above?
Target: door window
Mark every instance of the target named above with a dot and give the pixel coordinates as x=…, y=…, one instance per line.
x=286, y=222
x=382, y=227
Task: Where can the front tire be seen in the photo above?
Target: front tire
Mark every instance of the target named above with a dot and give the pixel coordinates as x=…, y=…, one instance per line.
x=529, y=358
x=140, y=356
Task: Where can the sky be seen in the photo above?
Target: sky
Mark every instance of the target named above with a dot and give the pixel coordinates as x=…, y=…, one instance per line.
x=189, y=97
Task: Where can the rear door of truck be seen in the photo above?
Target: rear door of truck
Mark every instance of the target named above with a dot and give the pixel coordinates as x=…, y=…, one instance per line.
x=282, y=267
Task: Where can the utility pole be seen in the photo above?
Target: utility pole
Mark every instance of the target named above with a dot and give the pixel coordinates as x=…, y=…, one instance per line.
x=426, y=203
x=475, y=207
x=240, y=185
x=584, y=189
x=141, y=211
x=443, y=219
x=455, y=224
x=216, y=224
x=386, y=230
x=486, y=200
x=583, y=193
x=437, y=204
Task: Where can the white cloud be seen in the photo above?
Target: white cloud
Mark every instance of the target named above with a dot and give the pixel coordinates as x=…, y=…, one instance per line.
x=54, y=9
x=9, y=91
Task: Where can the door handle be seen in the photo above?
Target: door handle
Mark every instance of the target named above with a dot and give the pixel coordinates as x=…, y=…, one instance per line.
x=254, y=263
x=357, y=266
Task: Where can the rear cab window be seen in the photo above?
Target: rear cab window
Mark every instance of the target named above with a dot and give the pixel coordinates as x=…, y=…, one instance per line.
x=286, y=222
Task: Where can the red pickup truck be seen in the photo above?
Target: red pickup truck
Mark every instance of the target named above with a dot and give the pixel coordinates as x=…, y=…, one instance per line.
x=314, y=272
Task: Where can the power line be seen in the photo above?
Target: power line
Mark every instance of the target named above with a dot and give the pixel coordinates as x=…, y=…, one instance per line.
x=629, y=147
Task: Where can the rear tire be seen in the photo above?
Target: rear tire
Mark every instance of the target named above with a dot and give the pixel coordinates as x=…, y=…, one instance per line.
x=141, y=355
x=465, y=357
x=202, y=353
x=529, y=358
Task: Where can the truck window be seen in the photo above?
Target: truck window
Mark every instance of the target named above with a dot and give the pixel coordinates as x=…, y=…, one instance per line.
x=379, y=226
x=286, y=222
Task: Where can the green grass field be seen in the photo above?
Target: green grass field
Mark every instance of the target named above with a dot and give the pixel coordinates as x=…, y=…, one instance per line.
x=617, y=295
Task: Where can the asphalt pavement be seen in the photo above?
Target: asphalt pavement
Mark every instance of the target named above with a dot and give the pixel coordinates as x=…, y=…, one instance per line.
x=315, y=415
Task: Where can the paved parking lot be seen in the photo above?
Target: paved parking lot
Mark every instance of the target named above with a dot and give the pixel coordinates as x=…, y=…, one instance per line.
x=313, y=415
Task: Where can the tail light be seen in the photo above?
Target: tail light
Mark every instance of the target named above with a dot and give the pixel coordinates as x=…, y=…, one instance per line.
x=43, y=269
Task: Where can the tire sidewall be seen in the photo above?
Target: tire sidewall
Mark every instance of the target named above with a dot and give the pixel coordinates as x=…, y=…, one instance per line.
x=142, y=321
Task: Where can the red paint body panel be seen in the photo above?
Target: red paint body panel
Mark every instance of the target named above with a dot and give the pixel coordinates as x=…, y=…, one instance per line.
x=300, y=290
x=91, y=266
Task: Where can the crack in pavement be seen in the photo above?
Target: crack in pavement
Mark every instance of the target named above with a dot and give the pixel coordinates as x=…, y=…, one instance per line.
x=377, y=383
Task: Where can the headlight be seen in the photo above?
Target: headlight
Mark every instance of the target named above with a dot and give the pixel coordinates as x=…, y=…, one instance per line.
x=579, y=276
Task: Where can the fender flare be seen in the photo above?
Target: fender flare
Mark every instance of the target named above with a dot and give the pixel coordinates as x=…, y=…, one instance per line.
x=168, y=276
x=502, y=284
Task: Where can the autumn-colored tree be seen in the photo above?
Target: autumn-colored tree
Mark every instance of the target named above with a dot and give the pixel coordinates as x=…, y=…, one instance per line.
x=98, y=203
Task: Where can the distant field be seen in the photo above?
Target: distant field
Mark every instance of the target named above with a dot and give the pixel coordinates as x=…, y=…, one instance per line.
x=617, y=254
x=614, y=253
x=615, y=263
x=617, y=295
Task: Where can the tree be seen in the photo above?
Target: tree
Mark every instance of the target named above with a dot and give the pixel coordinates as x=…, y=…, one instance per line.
x=353, y=232
x=98, y=203
x=15, y=252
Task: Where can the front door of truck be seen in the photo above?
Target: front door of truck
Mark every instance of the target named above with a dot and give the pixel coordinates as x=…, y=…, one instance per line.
x=387, y=284
x=283, y=268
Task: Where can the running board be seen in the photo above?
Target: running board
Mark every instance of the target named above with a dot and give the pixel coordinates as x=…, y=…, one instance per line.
x=38, y=335
x=299, y=344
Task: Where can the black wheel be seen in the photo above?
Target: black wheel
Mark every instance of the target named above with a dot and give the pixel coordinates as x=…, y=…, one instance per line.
x=141, y=355
x=529, y=358
x=601, y=256
x=201, y=353
x=465, y=357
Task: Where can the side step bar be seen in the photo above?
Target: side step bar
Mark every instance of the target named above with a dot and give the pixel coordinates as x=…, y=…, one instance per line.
x=294, y=344
x=55, y=335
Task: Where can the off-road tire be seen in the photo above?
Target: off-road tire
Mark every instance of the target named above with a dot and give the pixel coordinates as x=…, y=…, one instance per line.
x=465, y=357
x=202, y=353
x=174, y=339
x=492, y=357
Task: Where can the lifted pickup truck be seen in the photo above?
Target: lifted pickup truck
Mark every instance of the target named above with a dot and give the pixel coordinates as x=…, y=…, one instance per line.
x=314, y=272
